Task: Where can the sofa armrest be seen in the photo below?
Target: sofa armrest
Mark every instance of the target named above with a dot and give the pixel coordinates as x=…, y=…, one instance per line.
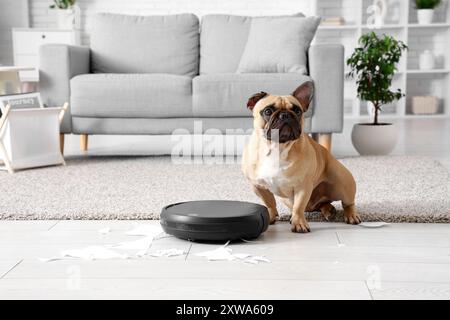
x=58, y=63
x=326, y=68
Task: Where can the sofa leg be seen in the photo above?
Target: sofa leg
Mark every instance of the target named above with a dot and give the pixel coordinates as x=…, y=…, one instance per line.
x=61, y=143
x=324, y=139
x=83, y=142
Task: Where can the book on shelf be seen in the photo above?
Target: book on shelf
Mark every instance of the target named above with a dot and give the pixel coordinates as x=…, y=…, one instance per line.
x=333, y=21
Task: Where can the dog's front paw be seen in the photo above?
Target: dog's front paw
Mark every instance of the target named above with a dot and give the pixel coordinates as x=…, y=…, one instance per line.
x=299, y=225
x=328, y=211
x=352, y=219
x=273, y=214
x=351, y=216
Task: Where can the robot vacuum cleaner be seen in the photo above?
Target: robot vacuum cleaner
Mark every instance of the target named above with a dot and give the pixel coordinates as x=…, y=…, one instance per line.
x=214, y=220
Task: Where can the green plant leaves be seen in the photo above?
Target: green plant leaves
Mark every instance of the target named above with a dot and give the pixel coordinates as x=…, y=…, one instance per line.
x=374, y=64
x=427, y=4
x=62, y=4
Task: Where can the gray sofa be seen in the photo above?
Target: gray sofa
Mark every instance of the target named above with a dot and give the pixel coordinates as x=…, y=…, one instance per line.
x=152, y=75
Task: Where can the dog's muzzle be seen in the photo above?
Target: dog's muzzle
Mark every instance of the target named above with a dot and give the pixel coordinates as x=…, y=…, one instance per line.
x=283, y=127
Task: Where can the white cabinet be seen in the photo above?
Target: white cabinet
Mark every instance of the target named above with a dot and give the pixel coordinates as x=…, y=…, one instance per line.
x=26, y=43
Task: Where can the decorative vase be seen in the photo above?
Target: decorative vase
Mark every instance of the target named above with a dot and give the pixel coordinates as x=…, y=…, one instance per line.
x=68, y=18
x=65, y=18
x=376, y=140
x=425, y=16
x=426, y=60
x=377, y=13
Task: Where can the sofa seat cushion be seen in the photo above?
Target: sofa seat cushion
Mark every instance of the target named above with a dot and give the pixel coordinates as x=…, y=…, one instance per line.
x=226, y=94
x=145, y=44
x=131, y=95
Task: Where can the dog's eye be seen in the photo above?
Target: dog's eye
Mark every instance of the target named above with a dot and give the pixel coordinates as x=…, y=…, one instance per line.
x=268, y=111
x=297, y=110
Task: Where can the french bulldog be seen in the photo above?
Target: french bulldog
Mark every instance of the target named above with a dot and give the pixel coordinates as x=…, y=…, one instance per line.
x=281, y=159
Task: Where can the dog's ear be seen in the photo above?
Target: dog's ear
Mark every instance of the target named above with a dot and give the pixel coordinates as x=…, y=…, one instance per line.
x=253, y=100
x=304, y=94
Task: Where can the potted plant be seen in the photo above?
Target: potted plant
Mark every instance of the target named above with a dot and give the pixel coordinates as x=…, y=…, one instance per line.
x=374, y=64
x=425, y=10
x=66, y=13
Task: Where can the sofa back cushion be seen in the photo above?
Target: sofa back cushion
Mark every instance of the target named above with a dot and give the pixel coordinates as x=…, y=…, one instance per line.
x=224, y=95
x=222, y=41
x=278, y=45
x=145, y=44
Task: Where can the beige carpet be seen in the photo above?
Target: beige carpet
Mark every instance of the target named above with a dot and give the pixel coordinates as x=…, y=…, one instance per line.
x=391, y=189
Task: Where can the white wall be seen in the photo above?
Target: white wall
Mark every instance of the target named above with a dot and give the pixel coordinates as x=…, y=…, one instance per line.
x=43, y=17
x=13, y=13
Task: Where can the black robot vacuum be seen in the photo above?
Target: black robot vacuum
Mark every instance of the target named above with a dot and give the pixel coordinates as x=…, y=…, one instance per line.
x=215, y=220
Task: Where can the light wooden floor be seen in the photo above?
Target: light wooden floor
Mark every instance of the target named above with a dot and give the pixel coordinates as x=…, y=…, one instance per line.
x=334, y=261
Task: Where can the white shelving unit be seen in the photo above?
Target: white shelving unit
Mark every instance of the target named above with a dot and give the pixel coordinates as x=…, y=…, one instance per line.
x=401, y=22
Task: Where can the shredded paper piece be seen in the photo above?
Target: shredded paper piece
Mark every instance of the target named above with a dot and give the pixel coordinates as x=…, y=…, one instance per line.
x=242, y=255
x=140, y=244
x=167, y=253
x=93, y=253
x=250, y=241
x=150, y=233
x=140, y=248
x=224, y=253
x=377, y=224
x=221, y=253
x=148, y=230
x=49, y=259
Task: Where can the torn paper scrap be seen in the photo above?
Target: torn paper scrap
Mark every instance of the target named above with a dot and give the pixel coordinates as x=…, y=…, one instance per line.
x=148, y=230
x=256, y=259
x=104, y=230
x=226, y=253
x=376, y=224
x=167, y=253
x=260, y=259
x=242, y=255
x=140, y=244
x=251, y=261
x=249, y=241
x=49, y=259
x=93, y=253
x=150, y=233
x=221, y=253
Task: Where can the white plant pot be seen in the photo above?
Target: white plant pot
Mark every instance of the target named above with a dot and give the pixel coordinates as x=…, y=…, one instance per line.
x=426, y=60
x=425, y=16
x=369, y=139
x=65, y=18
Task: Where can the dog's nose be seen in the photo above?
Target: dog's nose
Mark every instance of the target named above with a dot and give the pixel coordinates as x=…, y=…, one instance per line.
x=284, y=115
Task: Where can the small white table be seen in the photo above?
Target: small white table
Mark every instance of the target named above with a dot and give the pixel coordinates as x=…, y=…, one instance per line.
x=10, y=79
